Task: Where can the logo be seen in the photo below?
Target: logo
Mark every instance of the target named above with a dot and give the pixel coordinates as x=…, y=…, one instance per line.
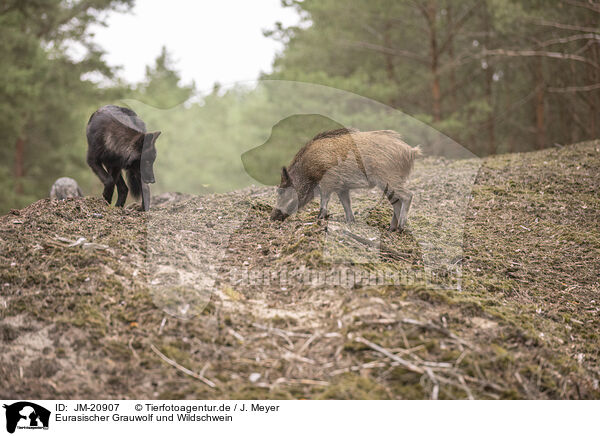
x=26, y=415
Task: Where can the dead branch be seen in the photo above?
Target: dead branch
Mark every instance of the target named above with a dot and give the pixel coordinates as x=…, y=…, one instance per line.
x=572, y=38
x=182, y=368
x=385, y=50
x=458, y=24
x=367, y=365
x=404, y=363
x=236, y=335
x=384, y=249
x=308, y=342
x=436, y=386
x=303, y=381
x=432, y=326
x=538, y=53
x=567, y=89
x=565, y=26
x=587, y=5
x=286, y=332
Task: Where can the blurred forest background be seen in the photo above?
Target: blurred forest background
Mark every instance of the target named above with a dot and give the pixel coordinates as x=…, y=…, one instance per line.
x=494, y=75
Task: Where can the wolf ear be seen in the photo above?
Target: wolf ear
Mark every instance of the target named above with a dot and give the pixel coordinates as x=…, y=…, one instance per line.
x=156, y=134
x=285, y=178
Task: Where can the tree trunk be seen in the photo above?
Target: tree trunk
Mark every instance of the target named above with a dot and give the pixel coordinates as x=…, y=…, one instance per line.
x=453, y=96
x=594, y=78
x=19, y=164
x=389, y=61
x=540, y=110
x=489, y=83
x=435, y=75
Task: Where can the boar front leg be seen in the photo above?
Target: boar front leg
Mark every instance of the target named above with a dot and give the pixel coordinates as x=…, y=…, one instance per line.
x=325, y=196
x=407, y=197
x=400, y=199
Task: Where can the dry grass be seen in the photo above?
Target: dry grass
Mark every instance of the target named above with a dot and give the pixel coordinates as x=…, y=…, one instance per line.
x=87, y=321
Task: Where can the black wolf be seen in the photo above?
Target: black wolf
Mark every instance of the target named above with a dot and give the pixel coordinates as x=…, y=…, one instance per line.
x=117, y=140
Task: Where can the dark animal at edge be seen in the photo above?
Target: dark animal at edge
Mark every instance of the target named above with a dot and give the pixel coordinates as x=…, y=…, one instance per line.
x=117, y=140
x=345, y=159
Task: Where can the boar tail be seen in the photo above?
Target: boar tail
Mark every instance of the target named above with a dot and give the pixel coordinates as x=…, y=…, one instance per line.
x=409, y=157
x=135, y=182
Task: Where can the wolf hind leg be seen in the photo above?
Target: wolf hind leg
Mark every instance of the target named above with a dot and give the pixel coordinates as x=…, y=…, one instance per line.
x=122, y=189
x=105, y=178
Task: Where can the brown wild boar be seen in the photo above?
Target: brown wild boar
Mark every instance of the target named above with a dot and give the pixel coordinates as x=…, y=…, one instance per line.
x=344, y=159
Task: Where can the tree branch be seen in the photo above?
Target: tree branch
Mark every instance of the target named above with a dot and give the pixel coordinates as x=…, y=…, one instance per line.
x=591, y=6
x=458, y=24
x=585, y=88
x=386, y=50
x=566, y=26
x=536, y=53
x=566, y=40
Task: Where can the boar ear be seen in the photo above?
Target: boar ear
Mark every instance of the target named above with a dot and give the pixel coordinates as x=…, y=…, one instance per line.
x=285, y=177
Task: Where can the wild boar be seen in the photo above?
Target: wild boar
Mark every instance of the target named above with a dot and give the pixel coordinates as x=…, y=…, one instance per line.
x=345, y=159
x=117, y=140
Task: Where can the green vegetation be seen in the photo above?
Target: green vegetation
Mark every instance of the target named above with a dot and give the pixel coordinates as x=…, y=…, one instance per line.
x=494, y=75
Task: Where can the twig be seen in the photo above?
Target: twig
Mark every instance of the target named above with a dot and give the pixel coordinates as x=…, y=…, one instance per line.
x=485, y=383
x=308, y=342
x=135, y=354
x=275, y=329
x=204, y=368
x=405, y=363
x=303, y=381
x=162, y=325
x=182, y=368
x=367, y=365
x=523, y=385
x=293, y=356
x=236, y=335
x=433, y=326
x=384, y=249
x=436, y=386
x=465, y=387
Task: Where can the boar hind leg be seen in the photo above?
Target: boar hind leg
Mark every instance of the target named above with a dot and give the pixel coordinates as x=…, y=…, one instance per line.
x=345, y=200
x=325, y=196
x=400, y=200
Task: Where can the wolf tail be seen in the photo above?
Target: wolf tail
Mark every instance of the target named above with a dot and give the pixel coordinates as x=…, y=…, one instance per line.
x=135, y=182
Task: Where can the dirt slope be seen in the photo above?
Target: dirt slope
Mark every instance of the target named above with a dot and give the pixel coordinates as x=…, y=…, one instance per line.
x=125, y=313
